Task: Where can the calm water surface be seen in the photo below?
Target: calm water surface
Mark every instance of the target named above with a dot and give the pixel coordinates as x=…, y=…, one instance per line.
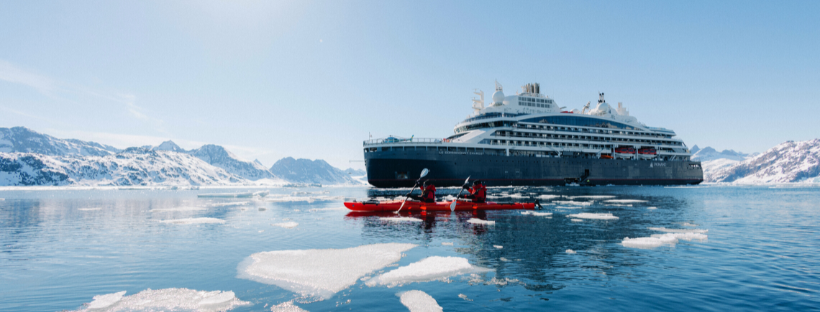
x=57, y=250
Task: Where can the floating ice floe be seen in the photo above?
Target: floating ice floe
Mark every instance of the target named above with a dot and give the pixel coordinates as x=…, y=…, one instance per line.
x=663, y=229
x=479, y=221
x=326, y=209
x=229, y=204
x=619, y=205
x=463, y=296
x=447, y=243
x=548, y=196
x=287, y=306
x=596, y=216
x=400, y=219
x=568, y=207
x=498, y=246
x=194, y=221
x=651, y=208
x=173, y=209
x=576, y=220
x=287, y=225
x=428, y=269
x=419, y=301
x=538, y=214
x=170, y=299
x=574, y=203
x=689, y=224
x=88, y=209
x=226, y=195
x=625, y=201
x=657, y=240
x=319, y=272
x=592, y=196
x=570, y=251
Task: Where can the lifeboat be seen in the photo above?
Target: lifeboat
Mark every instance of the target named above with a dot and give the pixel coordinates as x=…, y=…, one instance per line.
x=647, y=153
x=624, y=152
x=437, y=206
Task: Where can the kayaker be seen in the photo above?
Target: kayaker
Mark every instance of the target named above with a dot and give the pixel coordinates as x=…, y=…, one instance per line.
x=428, y=193
x=478, y=193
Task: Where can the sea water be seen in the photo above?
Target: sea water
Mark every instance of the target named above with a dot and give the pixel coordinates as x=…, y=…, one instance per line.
x=624, y=248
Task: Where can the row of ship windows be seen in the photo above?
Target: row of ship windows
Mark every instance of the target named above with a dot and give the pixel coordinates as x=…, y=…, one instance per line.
x=580, y=137
x=535, y=105
x=526, y=99
x=556, y=128
x=554, y=144
x=502, y=152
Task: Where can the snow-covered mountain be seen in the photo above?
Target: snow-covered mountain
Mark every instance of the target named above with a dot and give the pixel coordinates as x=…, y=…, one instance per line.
x=218, y=156
x=355, y=172
x=133, y=166
x=310, y=171
x=169, y=146
x=24, y=140
x=787, y=162
x=708, y=153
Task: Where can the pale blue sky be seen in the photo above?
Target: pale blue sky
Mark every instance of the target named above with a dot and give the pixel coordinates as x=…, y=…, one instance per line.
x=310, y=79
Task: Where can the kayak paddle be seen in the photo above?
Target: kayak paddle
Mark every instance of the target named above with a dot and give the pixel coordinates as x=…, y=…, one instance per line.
x=453, y=205
x=423, y=174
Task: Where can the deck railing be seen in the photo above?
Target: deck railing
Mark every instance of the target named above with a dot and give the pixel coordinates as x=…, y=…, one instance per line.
x=383, y=141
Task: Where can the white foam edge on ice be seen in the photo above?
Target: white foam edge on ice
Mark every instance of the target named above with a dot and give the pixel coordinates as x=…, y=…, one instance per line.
x=287, y=225
x=168, y=299
x=194, y=221
x=400, y=219
x=419, y=301
x=538, y=214
x=663, y=229
x=479, y=221
x=595, y=216
x=319, y=273
x=425, y=270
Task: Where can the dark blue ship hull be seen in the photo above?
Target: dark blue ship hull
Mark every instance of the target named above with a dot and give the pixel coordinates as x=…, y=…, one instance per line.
x=402, y=168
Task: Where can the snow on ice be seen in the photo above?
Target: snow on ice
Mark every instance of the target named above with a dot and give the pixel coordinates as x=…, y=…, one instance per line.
x=167, y=300
x=319, y=272
x=663, y=229
x=287, y=306
x=538, y=214
x=287, y=225
x=428, y=269
x=419, y=301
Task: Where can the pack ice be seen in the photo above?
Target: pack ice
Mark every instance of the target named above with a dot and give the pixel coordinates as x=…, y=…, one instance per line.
x=596, y=216
x=319, y=273
x=169, y=299
x=193, y=221
x=428, y=269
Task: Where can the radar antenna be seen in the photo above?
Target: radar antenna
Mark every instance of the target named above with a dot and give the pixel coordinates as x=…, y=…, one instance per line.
x=601, y=97
x=586, y=107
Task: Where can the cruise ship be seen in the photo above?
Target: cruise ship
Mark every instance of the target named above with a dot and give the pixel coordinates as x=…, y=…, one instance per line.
x=527, y=139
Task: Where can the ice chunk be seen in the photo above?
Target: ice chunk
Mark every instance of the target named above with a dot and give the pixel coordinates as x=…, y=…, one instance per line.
x=319, y=272
x=596, y=216
x=650, y=242
x=619, y=205
x=570, y=251
x=286, y=307
x=538, y=214
x=593, y=196
x=287, y=225
x=689, y=224
x=663, y=229
x=463, y=296
x=685, y=236
x=576, y=220
x=169, y=299
x=194, y=221
x=479, y=221
x=178, y=209
x=226, y=195
x=419, y=301
x=568, y=207
x=548, y=196
x=88, y=209
x=229, y=204
x=401, y=219
x=104, y=301
x=428, y=269
x=447, y=243
x=574, y=203
x=498, y=246
x=651, y=208
x=625, y=201
x=326, y=209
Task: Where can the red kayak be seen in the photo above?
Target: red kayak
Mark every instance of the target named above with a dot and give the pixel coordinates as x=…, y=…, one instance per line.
x=373, y=205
